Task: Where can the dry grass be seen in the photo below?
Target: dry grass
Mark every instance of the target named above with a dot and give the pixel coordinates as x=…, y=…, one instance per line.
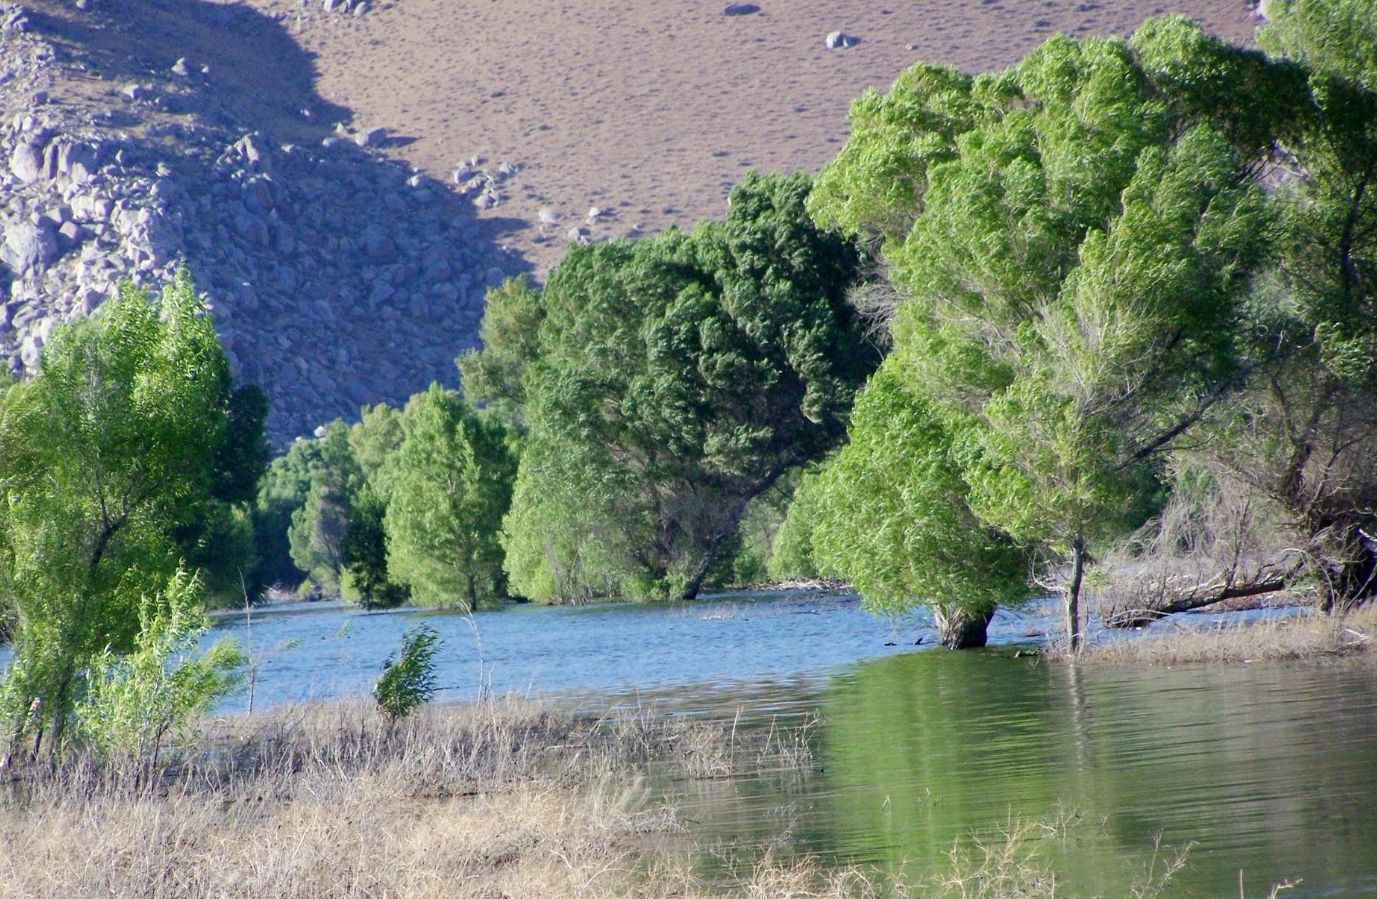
x=500, y=798
x=1308, y=636
x=494, y=799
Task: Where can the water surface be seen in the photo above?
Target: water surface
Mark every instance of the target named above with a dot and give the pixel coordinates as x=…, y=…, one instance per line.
x=1265, y=769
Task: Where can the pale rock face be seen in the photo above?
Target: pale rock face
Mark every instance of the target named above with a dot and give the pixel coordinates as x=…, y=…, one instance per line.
x=28, y=246
x=26, y=163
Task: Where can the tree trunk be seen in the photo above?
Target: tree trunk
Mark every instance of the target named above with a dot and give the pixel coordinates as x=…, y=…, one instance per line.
x=1352, y=581
x=700, y=574
x=472, y=596
x=1073, y=595
x=1196, y=596
x=960, y=628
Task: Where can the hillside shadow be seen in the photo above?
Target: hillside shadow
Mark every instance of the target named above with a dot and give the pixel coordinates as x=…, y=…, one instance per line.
x=339, y=276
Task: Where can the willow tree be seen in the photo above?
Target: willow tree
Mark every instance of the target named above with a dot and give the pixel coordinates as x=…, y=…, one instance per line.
x=1071, y=246
x=126, y=430
x=891, y=513
x=1305, y=435
x=676, y=379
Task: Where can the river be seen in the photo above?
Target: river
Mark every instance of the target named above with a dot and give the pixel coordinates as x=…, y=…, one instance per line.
x=1264, y=771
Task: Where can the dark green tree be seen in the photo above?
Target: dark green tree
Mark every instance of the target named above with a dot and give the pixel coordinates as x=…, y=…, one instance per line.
x=320, y=524
x=677, y=379
x=364, y=550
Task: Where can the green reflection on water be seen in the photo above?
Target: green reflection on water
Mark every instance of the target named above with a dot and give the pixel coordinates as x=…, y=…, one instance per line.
x=1271, y=770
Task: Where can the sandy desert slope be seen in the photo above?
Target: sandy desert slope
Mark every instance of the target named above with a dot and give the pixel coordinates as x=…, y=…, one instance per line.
x=652, y=109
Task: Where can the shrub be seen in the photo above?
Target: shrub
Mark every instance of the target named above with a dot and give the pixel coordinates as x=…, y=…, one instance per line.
x=408, y=679
x=138, y=701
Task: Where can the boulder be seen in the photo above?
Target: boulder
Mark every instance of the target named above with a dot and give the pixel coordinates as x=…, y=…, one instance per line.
x=28, y=246
x=370, y=137
x=839, y=40
x=26, y=162
x=740, y=9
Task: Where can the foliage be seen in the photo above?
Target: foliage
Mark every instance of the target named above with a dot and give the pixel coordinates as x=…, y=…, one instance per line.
x=118, y=441
x=677, y=379
x=311, y=497
x=892, y=513
x=223, y=548
x=453, y=485
x=320, y=524
x=791, y=550
x=1335, y=37
x=140, y=701
x=1304, y=435
x=364, y=550
x=1082, y=238
x=492, y=376
x=408, y=678
x=282, y=491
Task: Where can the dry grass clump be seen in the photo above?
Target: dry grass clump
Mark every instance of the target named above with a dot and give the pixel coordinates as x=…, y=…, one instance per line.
x=1300, y=637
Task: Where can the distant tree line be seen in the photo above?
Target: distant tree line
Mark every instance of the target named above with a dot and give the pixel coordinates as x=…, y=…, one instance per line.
x=619, y=432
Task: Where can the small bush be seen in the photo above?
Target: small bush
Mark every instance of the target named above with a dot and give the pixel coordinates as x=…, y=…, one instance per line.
x=408, y=679
x=137, y=703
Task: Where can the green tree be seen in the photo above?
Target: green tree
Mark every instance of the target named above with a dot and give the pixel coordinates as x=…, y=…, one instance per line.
x=791, y=547
x=408, y=679
x=364, y=550
x=492, y=377
x=1304, y=435
x=320, y=524
x=892, y=516
x=102, y=453
x=677, y=380
x=1074, y=273
x=453, y=484
x=282, y=491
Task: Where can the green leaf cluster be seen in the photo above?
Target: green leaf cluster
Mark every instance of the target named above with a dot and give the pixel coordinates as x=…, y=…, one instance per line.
x=408, y=678
x=1074, y=240
x=452, y=486
x=116, y=460
x=143, y=701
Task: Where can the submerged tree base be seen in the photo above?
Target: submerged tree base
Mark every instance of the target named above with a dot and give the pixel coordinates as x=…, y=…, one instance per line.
x=962, y=629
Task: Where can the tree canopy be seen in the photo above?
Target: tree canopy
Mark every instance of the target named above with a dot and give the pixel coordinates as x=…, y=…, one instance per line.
x=444, y=508
x=675, y=379
x=130, y=428
x=1072, y=241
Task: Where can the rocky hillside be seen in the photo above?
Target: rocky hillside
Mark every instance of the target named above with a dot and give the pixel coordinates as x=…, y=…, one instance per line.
x=313, y=161
x=139, y=135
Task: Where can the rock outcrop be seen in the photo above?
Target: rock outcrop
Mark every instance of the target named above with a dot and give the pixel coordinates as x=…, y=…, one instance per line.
x=142, y=135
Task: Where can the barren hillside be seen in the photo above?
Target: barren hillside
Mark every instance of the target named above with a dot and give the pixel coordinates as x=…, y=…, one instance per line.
x=653, y=108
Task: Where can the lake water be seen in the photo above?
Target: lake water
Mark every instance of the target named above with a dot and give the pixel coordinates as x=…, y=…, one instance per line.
x=1265, y=769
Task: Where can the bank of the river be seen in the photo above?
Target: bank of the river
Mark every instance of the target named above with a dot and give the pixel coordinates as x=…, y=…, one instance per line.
x=884, y=754
x=1245, y=639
